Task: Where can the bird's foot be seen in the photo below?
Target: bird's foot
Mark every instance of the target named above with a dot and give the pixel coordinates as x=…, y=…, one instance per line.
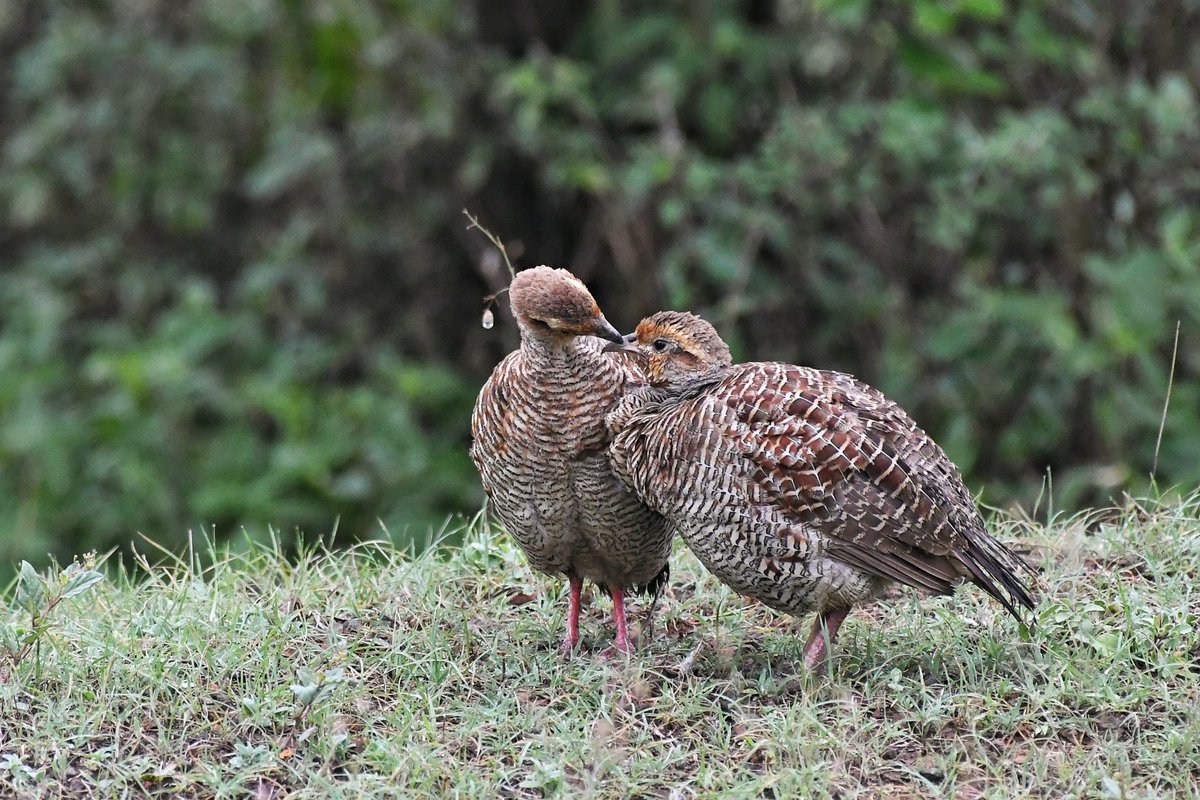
x=571, y=639
x=816, y=654
x=824, y=632
x=622, y=647
x=619, y=650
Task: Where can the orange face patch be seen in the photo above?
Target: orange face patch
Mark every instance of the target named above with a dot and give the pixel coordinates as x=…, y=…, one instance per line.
x=692, y=334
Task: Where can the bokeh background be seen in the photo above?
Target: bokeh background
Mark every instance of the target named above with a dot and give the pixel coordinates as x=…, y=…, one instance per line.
x=239, y=294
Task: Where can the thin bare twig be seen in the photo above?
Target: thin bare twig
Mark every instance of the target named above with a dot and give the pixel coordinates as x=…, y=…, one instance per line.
x=491, y=237
x=1162, y=423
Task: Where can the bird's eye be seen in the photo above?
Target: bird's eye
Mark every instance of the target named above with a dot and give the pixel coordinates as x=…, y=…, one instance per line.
x=660, y=344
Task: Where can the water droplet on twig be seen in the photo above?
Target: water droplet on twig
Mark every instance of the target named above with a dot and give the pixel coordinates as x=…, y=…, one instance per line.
x=489, y=319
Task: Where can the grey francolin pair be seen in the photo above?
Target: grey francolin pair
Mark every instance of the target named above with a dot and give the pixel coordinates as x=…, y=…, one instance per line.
x=803, y=488
x=541, y=448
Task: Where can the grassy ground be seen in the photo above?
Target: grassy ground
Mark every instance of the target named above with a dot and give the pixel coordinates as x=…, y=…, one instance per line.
x=372, y=674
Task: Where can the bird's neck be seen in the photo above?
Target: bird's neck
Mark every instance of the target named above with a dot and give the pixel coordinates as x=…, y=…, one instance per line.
x=556, y=352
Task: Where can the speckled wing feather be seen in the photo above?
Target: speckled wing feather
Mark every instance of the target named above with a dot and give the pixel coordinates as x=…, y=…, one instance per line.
x=774, y=471
x=853, y=466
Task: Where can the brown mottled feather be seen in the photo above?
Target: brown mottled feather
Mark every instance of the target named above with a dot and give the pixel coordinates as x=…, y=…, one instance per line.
x=805, y=488
x=540, y=445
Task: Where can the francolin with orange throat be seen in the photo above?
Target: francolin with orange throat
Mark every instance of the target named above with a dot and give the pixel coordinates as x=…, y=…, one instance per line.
x=804, y=488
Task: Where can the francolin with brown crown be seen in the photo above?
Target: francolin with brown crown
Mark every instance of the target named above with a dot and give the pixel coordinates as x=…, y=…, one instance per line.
x=804, y=488
x=540, y=445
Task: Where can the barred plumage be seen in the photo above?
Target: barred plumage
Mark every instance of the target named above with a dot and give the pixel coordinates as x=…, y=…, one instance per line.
x=540, y=445
x=806, y=489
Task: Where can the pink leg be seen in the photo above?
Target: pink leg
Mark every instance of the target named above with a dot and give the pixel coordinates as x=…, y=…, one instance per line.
x=816, y=649
x=618, y=598
x=571, y=640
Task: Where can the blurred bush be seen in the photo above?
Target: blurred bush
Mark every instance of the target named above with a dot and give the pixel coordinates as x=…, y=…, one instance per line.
x=237, y=287
x=226, y=278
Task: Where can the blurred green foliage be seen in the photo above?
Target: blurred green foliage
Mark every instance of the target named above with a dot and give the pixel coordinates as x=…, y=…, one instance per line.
x=238, y=291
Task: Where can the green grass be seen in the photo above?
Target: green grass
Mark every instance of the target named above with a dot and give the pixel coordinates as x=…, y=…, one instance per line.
x=442, y=678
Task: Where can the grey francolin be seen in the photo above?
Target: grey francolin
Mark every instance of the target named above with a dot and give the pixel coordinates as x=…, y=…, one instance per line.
x=803, y=488
x=541, y=447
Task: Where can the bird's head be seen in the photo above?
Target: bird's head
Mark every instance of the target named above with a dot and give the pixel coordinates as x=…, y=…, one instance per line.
x=552, y=304
x=678, y=349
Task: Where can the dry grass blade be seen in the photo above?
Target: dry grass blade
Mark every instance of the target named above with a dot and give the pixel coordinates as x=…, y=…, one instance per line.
x=1162, y=423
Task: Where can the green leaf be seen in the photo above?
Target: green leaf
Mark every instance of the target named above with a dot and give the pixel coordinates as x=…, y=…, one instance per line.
x=306, y=690
x=933, y=18
x=9, y=639
x=927, y=63
x=29, y=574
x=987, y=10
x=80, y=582
x=31, y=589
x=316, y=686
x=295, y=156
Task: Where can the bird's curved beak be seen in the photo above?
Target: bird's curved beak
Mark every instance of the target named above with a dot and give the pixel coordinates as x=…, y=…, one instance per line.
x=606, y=331
x=624, y=344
